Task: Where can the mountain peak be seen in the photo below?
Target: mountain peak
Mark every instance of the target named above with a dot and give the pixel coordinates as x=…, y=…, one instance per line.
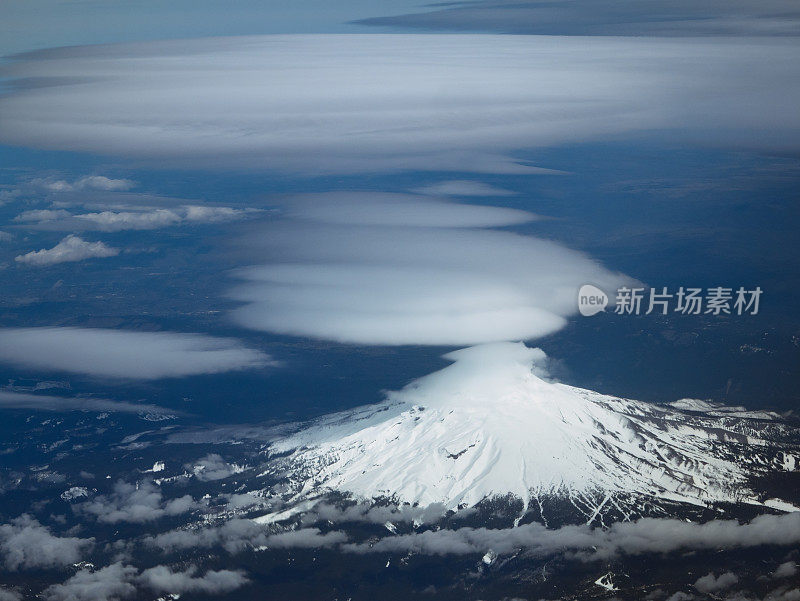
x=489, y=426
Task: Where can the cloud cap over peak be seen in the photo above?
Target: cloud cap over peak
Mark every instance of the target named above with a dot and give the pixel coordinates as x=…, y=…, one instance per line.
x=412, y=275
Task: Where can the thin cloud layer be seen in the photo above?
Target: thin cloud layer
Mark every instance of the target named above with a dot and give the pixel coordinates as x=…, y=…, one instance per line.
x=385, y=209
x=82, y=184
x=25, y=544
x=411, y=274
x=607, y=17
x=123, y=353
x=71, y=249
x=41, y=402
x=648, y=535
x=145, y=218
x=315, y=103
x=461, y=187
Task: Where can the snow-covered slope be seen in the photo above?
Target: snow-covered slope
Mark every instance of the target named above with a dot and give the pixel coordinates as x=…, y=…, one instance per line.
x=488, y=426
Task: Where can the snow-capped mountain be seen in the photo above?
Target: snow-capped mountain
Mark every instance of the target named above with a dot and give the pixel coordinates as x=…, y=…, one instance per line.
x=489, y=426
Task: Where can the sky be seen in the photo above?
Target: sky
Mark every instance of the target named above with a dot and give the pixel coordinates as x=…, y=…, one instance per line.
x=218, y=218
x=347, y=179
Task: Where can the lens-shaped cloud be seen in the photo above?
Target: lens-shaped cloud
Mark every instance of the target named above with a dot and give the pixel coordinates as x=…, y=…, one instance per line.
x=403, y=282
x=371, y=208
x=123, y=353
x=356, y=103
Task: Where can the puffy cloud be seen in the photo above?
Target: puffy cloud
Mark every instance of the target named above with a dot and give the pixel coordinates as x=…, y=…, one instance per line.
x=26, y=544
x=412, y=274
x=785, y=570
x=111, y=221
x=711, y=583
x=163, y=579
x=124, y=353
x=21, y=400
x=354, y=103
x=783, y=593
x=10, y=595
x=111, y=583
x=233, y=535
x=463, y=188
x=41, y=215
x=88, y=182
x=213, y=467
x=238, y=534
x=207, y=214
x=304, y=538
x=72, y=248
x=118, y=581
x=136, y=503
x=5, y=236
x=649, y=535
x=146, y=218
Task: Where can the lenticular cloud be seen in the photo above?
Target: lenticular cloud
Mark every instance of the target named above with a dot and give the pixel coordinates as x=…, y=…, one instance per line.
x=414, y=276
x=356, y=103
x=124, y=353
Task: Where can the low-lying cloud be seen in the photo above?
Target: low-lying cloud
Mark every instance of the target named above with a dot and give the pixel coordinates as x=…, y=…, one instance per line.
x=135, y=503
x=26, y=544
x=87, y=182
x=70, y=249
x=120, y=581
x=124, y=353
x=41, y=402
x=649, y=535
x=145, y=218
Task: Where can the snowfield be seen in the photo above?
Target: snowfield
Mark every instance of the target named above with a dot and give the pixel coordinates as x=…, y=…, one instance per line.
x=489, y=426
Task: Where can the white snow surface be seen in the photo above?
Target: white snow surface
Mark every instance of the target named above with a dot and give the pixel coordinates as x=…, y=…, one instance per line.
x=488, y=426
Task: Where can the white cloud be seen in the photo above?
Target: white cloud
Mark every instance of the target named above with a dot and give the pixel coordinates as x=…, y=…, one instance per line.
x=26, y=544
x=413, y=274
x=213, y=467
x=70, y=249
x=163, y=579
x=146, y=218
x=785, y=570
x=135, y=503
x=238, y=534
x=711, y=583
x=386, y=209
x=5, y=236
x=645, y=536
x=119, y=581
x=463, y=188
x=10, y=595
x=38, y=215
x=354, y=103
x=21, y=400
x=124, y=353
x=110, y=583
x=111, y=221
x=206, y=214
x=88, y=182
